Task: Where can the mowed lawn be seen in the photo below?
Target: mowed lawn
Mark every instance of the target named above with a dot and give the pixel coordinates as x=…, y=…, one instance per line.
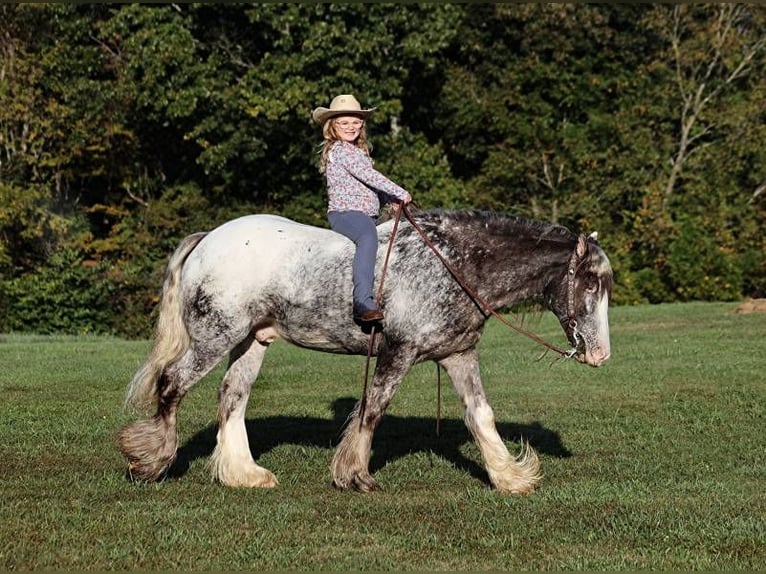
x=654, y=461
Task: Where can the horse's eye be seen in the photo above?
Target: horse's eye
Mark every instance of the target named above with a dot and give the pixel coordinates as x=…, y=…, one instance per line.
x=592, y=288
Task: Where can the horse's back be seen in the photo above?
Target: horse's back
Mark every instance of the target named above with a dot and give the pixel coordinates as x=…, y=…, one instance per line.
x=263, y=230
x=253, y=249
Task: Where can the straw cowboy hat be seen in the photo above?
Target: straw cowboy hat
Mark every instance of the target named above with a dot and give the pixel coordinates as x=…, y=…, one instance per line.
x=345, y=104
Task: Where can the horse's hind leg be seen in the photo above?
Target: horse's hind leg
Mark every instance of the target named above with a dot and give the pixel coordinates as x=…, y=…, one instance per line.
x=506, y=472
x=150, y=445
x=232, y=463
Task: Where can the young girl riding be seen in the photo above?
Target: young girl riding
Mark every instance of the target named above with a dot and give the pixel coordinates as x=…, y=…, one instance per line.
x=355, y=191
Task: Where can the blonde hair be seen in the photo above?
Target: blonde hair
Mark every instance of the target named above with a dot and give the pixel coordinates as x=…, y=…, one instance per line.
x=331, y=136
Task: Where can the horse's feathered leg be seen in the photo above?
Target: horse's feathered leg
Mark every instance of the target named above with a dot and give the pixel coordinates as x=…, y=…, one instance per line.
x=232, y=463
x=506, y=472
x=172, y=367
x=350, y=465
x=150, y=445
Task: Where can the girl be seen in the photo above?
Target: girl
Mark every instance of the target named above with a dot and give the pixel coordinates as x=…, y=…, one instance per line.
x=355, y=191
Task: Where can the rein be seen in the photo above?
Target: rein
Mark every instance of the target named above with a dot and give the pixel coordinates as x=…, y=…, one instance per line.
x=378, y=299
x=488, y=310
x=483, y=305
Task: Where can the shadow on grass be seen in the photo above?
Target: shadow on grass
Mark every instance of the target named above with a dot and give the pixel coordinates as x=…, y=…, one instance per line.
x=395, y=438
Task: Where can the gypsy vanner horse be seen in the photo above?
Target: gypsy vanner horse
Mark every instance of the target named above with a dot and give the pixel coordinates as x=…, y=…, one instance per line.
x=258, y=278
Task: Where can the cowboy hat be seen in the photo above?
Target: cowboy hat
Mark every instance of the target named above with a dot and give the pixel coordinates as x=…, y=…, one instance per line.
x=341, y=105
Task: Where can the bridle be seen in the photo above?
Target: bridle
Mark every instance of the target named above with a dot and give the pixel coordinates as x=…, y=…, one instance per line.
x=571, y=327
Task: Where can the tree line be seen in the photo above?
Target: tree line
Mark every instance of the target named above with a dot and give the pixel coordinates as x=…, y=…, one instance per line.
x=124, y=127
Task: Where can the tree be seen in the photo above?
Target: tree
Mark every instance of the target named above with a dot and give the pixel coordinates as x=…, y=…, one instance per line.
x=527, y=104
x=713, y=49
x=29, y=226
x=711, y=101
x=124, y=127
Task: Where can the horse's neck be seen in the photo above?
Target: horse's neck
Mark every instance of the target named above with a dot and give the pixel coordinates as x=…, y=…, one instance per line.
x=512, y=269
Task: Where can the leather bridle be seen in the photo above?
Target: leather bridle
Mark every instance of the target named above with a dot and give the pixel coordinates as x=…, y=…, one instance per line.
x=571, y=327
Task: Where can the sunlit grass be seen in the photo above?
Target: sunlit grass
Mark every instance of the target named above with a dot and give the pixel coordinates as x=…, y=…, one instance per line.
x=654, y=461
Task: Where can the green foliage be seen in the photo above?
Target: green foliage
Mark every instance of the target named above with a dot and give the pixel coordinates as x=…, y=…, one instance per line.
x=28, y=227
x=278, y=62
x=138, y=246
x=700, y=268
x=421, y=168
x=124, y=127
x=64, y=296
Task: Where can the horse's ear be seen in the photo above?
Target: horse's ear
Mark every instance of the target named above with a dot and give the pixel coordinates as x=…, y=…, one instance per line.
x=593, y=236
x=581, y=246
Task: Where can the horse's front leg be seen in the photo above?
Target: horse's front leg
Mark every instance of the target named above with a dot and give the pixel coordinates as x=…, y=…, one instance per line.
x=350, y=465
x=506, y=472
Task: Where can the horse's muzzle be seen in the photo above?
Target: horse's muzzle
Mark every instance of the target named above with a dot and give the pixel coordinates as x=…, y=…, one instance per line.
x=594, y=357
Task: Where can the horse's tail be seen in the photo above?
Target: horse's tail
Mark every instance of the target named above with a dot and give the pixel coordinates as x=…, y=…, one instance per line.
x=171, y=339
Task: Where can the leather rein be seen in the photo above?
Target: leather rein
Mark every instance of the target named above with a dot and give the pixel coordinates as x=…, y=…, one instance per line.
x=488, y=310
x=571, y=328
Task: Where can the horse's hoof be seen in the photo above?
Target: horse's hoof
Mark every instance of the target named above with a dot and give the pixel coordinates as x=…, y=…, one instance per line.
x=514, y=486
x=139, y=472
x=519, y=490
x=268, y=481
x=359, y=482
x=253, y=477
x=365, y=483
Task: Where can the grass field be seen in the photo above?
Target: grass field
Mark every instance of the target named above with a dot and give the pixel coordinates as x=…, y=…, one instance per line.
x=654, y=461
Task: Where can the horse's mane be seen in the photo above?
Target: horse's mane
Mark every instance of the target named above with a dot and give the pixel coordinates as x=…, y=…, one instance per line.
x=500, y=223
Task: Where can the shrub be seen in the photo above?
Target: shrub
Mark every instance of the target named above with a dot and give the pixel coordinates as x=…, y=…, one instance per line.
x=702, y=268
x=64, y=296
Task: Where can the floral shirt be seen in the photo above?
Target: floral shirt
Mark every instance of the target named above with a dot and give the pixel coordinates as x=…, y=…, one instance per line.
x=353, y=184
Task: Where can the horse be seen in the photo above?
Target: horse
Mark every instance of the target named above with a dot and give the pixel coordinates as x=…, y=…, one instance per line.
x=258, y=278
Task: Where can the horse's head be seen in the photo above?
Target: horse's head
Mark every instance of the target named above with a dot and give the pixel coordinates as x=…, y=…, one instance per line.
x=582, y=302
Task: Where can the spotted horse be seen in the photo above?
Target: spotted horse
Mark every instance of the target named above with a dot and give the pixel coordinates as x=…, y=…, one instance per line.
x=236, y=289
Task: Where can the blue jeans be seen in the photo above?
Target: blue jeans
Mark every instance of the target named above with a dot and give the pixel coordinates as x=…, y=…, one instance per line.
x=359, y=228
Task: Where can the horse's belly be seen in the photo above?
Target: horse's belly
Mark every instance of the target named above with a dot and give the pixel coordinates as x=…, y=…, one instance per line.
x=340, y=340
x=316, y=339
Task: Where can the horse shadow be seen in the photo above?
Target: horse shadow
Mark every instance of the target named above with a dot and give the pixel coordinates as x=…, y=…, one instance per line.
x=395, y=438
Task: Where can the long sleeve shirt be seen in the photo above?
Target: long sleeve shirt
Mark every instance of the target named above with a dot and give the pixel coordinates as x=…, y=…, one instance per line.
x=354, y=185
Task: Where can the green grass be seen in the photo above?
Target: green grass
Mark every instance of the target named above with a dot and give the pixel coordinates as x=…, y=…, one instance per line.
x=654, y=461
